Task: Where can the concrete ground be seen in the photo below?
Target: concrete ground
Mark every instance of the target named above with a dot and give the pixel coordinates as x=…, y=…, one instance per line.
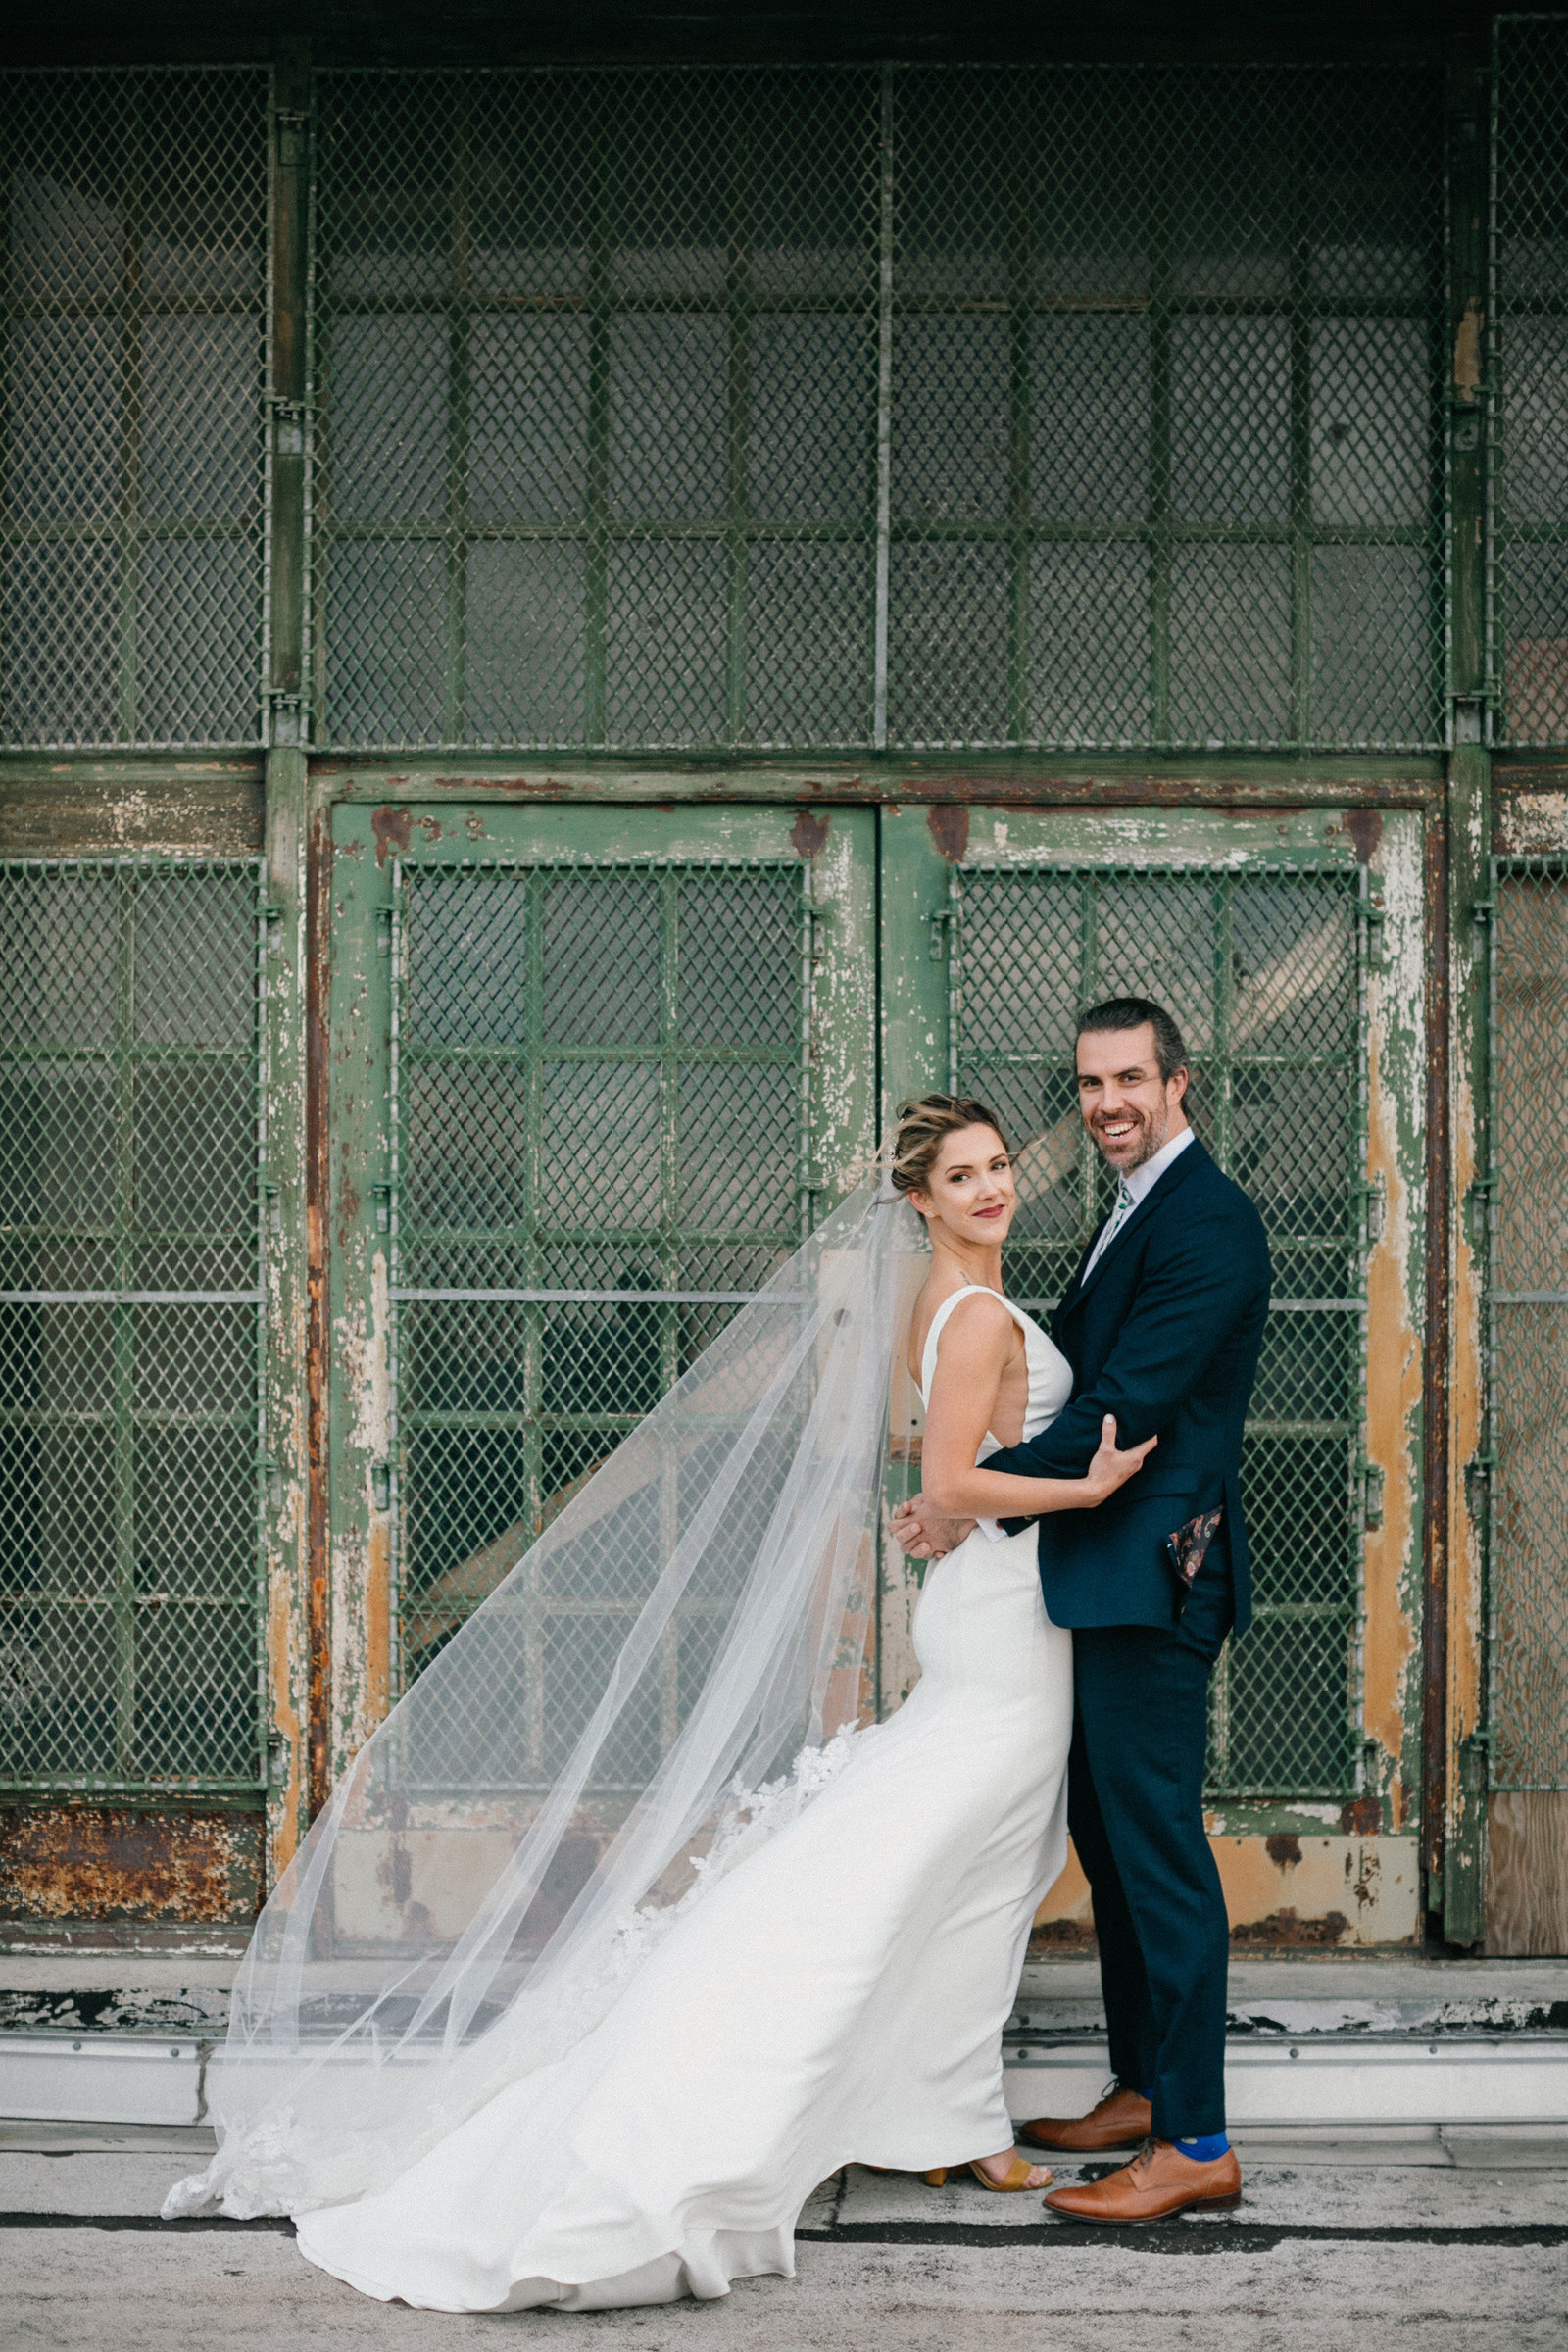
x=1453, y=2241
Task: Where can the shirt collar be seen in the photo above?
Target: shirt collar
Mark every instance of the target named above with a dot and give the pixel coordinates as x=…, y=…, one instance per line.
x=1141, y=1181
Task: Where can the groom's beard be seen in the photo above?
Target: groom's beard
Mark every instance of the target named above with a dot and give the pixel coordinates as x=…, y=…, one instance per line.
x=1152, y=1130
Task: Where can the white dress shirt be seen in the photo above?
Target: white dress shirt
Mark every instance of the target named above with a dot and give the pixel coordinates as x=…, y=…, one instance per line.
x=1132, y=1188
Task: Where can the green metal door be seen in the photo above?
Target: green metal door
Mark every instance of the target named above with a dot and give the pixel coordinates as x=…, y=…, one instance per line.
x=1293, y=962
x=594, y=1069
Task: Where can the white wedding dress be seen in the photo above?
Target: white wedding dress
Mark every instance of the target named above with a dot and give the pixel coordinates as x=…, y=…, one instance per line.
x=837, y=1996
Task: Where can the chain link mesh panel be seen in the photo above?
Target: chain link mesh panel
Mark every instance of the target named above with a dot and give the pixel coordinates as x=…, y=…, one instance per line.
x=130, y=489
x=1088, y=407
x=1263, y=971
x=1528, y=1314
x=129, y=1326
x=601, y=1112
x=1530, y=367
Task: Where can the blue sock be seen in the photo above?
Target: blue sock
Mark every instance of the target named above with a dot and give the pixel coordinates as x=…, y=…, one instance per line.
x=1203, y=2150
x=1148, y=2094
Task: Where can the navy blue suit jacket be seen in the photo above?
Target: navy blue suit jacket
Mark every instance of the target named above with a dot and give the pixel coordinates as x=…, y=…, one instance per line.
x=1164, y=1333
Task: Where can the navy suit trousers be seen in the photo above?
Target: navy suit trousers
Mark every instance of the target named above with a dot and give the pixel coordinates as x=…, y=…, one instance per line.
x=1135, y=1805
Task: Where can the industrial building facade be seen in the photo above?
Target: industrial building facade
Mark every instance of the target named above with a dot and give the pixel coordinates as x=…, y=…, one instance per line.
x=571, y=633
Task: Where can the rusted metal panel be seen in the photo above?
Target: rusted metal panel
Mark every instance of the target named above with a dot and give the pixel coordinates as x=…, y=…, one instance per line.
x=76, y=808
x=1284, y=1893
x=1038, y=779
x=68, y=1862
x=1436, y=1468
x=1396, y=1297
x=318, y=1153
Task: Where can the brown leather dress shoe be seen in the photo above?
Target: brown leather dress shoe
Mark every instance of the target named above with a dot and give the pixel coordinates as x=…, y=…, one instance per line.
x=1159, y=2181
x=1120, y=2120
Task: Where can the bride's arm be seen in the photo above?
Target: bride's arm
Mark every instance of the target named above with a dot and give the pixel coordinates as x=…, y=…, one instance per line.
x=973, y=1356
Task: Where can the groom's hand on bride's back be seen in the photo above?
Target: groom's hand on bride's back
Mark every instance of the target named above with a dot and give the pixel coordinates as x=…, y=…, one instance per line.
x=924, y=1534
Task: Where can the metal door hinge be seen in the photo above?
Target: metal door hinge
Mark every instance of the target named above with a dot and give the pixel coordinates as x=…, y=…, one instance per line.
x=1370, y=1193
x=1478, y=1476
x=279, y=1749
x=1372, y=1483
x=273, y=1474
x=820, y=917
x=381, y=1486
x=1475, y=1763
x=1376, y=952
x=383, y=930
x=1478, y=1210
x=381, y=1195
x=286, y=711
x=943, y=933
x=273, y=1195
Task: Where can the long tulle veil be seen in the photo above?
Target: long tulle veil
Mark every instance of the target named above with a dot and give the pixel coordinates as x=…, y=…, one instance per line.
x=458, y=1919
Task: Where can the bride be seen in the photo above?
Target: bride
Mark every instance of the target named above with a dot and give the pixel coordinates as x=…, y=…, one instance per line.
x=609, y=2068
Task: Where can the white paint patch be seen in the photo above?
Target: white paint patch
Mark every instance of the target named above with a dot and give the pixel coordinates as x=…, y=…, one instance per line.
x=366, y=1368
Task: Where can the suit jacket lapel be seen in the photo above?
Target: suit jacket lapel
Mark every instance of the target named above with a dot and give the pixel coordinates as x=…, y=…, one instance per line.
x=1180, y=1167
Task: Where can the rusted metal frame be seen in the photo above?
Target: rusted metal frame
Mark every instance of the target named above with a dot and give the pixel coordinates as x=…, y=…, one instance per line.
x=601, y=304
x=1464, y=1731
x=317, y=1340
x=131, y=358
x=458, y=393
x=269, y=1475
x=293, y=1507
x=810, y=941
x=738, y=323
x=1020, y=336
x=1435, y=1349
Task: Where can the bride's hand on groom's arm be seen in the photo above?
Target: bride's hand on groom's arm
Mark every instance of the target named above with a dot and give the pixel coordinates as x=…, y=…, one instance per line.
x=923, y=1533
x=1113, y=1466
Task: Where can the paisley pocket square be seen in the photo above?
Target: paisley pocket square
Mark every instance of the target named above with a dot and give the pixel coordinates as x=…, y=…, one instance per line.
x=1186, y=1549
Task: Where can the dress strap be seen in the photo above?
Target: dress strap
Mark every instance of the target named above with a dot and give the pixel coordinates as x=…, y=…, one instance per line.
x=928, y=1359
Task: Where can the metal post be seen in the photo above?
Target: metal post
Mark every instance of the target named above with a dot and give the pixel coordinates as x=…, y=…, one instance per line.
x=287, y=1238
x=1456, y=1800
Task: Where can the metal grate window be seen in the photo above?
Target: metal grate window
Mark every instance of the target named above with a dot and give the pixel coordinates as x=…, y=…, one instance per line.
x=1264, y=970
x=130, y=1325
x=131, y=475
x=1527, y=1320
x=1529, y=373
x=601, y=1114
x=1088, y=407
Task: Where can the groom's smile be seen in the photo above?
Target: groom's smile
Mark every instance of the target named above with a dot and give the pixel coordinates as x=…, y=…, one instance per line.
x=1129, y=1105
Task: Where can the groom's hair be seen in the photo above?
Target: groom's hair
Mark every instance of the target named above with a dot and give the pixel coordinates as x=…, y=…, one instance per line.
x=1131, y=1013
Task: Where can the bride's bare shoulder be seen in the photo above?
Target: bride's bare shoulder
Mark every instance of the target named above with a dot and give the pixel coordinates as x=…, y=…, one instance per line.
x=978, y=1315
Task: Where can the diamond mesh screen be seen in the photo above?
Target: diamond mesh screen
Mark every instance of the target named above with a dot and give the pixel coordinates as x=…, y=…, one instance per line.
x=129, y=1325
x=1528, y=1291
x=131, y=490
x=1264, y=973
x=1530, y=329
x=1083, y=406
x=601, y=1105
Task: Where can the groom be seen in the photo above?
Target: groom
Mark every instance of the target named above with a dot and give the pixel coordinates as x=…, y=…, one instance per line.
x=1161, y=1323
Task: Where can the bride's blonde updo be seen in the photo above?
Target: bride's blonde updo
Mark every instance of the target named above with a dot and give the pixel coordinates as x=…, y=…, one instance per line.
x=924, y=1126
